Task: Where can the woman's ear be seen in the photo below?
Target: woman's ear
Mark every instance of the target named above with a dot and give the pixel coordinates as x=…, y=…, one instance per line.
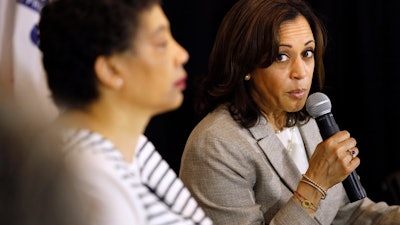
x=106, y=73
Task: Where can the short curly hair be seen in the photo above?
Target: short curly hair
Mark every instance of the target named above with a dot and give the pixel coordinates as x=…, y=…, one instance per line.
x=73, y=33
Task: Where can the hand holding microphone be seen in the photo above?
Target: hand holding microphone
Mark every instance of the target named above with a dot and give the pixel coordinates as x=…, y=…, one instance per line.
x=319, y=107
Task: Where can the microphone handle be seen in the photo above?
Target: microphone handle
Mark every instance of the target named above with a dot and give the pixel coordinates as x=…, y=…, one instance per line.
x=328, y=127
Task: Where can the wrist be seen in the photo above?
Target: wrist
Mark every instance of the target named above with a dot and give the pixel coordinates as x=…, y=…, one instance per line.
x=304, y=202
x=305, y=179
x=309, y=192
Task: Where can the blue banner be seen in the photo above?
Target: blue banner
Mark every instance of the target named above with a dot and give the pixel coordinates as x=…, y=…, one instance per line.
x=36, y=5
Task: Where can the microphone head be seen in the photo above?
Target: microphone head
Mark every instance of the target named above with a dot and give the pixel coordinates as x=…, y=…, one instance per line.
x=318, y=104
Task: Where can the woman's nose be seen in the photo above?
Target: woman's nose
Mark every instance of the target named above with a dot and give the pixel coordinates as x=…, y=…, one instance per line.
x=298, y=68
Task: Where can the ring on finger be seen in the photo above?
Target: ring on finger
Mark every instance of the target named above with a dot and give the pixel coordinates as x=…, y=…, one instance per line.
x=352, y=153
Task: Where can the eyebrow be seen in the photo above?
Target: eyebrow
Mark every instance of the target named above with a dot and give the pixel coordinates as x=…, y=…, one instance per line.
x=307, y=43
x=160, y=29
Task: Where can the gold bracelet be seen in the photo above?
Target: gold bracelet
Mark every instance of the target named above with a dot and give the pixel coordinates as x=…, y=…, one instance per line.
x=315, y=185
x=305, y=203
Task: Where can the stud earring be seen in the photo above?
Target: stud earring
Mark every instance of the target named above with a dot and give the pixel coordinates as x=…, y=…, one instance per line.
x=247, y=77
x=119, y=82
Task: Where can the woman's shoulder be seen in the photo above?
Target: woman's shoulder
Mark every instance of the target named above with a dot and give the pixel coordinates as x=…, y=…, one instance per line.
x=218, y=127
x=217, y=119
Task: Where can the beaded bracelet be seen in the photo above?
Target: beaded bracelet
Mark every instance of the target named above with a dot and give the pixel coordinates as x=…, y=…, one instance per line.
x=314, y=185
x=305, y=203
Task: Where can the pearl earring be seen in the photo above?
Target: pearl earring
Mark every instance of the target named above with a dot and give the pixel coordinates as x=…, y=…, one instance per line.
x=119, y=82
x=247, y=77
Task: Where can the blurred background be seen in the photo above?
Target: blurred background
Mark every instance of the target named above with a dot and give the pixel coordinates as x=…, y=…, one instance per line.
x=362, y=80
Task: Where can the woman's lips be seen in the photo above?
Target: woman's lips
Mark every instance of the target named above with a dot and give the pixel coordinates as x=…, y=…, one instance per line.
x=181, y=84
x=298, y=93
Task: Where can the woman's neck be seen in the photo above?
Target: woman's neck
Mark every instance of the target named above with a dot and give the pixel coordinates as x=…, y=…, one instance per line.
x=122, y=131
x=276, y=120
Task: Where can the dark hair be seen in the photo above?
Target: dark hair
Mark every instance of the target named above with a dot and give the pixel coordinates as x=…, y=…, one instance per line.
x=73, y=33
x=248, y=39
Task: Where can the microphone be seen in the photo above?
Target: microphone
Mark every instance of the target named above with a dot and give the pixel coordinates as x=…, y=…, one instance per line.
x=319, y=107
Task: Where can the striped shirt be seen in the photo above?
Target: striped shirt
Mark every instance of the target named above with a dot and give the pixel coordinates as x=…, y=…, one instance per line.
x=145, y=191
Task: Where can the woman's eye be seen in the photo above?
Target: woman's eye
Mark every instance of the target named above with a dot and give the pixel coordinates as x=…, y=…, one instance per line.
x=309, y=53
x=282, y=58
x=162, y=45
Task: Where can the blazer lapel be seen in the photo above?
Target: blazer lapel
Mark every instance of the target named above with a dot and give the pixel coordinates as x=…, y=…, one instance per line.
x=275, y=154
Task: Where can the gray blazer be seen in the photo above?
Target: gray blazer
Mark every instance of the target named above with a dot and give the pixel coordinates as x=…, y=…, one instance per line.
x=244, y=176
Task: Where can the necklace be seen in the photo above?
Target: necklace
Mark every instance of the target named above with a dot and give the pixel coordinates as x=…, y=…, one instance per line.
x=291, y=139
x=286, y=136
